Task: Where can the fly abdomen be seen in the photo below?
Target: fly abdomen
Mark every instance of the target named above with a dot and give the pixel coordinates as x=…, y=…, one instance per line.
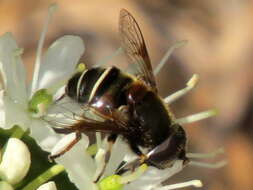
x=80, y=86
x=109, y=91
x=103, y=89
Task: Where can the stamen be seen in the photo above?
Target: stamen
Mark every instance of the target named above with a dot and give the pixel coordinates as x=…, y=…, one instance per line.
x=134, y=175
x=110, y=57
x=100, y=162
x=208, y=165
x=189, y=86
x=81, y=67
x=98, y=139
x=205, y=155
x=197, y=117
x=39, y=103
x=195, y=183
x=167, y=55
x=52, y=8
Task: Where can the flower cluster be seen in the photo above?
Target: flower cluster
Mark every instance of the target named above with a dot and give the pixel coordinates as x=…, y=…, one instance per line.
x=26, y=105
x=23, y=105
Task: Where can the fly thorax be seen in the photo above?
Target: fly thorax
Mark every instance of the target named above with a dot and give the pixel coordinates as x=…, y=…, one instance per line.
x=135, y=93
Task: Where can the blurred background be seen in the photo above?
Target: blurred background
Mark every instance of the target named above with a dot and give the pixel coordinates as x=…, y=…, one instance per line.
x=219, y=49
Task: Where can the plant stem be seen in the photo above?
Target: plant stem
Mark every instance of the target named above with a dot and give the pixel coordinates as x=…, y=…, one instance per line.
x=17, y=132
x=44, y=177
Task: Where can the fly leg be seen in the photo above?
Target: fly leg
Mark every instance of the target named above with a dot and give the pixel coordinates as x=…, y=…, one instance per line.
x=64, y=145
x=102, y=158
x=132, y=165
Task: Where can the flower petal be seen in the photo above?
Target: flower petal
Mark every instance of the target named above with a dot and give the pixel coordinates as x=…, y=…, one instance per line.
x=15, y=114
x=48, y=186
x=60, y=60
x=79, y=165
x=16, y=161
x=12, y=69
x=2, y=112
x=154, y=177
x=44, y=135
x=5, y=186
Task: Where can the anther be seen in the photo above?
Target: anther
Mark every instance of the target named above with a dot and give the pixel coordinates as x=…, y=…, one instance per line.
x=189, y=86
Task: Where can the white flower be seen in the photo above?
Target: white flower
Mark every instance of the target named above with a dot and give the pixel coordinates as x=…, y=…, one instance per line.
x=53, y=68
x=24, y=106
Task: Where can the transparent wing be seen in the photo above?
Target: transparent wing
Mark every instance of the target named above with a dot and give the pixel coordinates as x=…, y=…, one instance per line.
x=69, y=116
x=134, y=46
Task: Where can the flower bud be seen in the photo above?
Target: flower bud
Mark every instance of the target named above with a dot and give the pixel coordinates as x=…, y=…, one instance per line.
x=5, y=186
x=48, y=186
x=16, y=161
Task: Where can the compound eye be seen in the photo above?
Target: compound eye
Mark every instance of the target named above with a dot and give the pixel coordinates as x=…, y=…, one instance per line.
x=164, y=155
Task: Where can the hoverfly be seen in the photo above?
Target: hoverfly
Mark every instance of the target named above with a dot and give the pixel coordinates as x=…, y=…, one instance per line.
x=128, y=104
